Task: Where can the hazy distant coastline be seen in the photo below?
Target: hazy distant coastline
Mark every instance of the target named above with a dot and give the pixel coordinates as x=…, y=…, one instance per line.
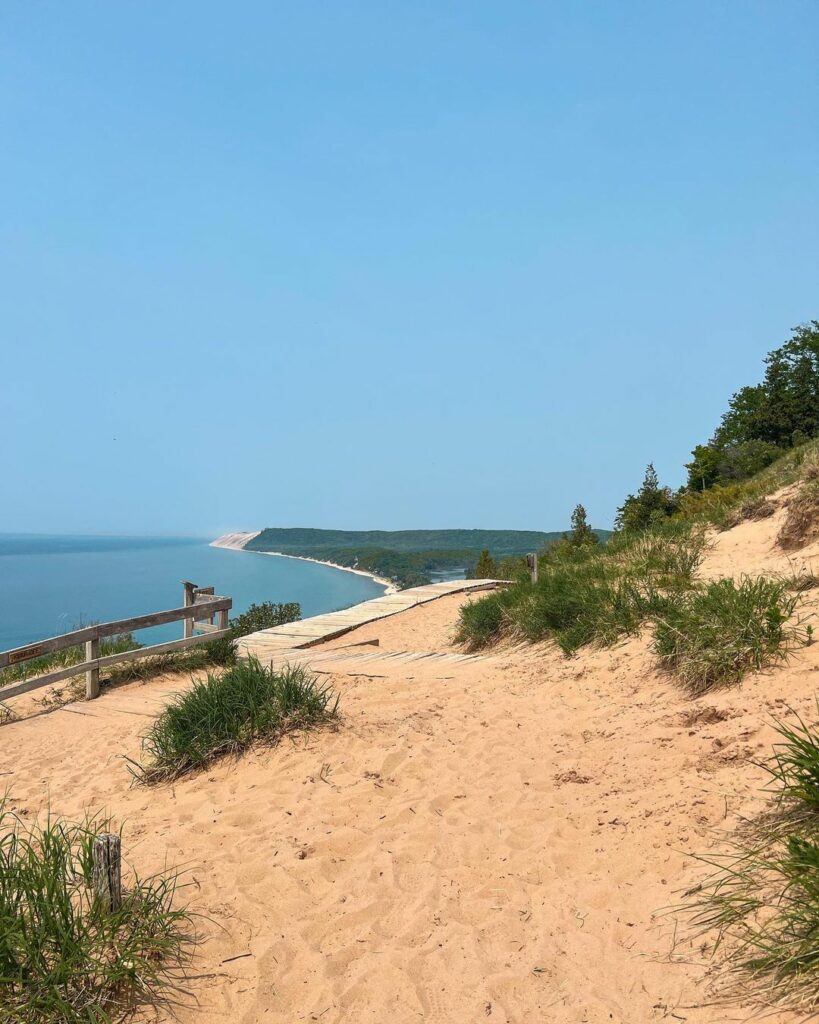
x=238, y=542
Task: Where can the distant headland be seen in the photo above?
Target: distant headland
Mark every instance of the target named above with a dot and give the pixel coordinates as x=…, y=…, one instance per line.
x=397, y=558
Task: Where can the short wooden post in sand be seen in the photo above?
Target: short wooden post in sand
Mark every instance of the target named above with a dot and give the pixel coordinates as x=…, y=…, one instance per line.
x=92, y=675
x=531, y=562
x=107, y=859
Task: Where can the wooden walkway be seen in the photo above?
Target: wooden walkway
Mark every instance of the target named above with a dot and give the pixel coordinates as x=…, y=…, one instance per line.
x=267, y=643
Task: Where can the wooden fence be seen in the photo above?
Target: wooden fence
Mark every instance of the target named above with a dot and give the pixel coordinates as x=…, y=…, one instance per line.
x=201, y=606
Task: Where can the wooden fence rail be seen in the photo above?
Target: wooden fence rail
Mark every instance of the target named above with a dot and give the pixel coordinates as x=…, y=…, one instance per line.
x=200, y=608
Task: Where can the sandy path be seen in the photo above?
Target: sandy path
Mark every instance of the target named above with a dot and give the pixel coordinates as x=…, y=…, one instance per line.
x=489, y=842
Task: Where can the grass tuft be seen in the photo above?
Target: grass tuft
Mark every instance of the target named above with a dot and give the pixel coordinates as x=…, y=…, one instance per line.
x=225, y=714
x=759, y=907
x=589, y=594
x=64, y=959
x=714, y=635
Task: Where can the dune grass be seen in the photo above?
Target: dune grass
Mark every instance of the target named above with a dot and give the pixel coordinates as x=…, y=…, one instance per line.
x=727, y=504
x=590, y=594
x=714, y=635
x=65, y=959
x=707, y=634
x=759, y=907
x=225, y=714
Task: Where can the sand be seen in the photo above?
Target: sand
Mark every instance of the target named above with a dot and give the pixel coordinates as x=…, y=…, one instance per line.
x=489, y=840
x=238, y=542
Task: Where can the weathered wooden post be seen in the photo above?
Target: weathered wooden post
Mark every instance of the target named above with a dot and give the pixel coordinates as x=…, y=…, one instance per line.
x=92, y=675
x=107, y=860
x=531, y=562
x=187, y=624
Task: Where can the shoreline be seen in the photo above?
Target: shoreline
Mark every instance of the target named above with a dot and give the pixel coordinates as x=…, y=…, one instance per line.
x=233, y=545
x=391, y=587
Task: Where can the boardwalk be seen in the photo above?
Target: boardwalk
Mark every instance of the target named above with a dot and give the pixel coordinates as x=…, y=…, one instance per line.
x=268, y=643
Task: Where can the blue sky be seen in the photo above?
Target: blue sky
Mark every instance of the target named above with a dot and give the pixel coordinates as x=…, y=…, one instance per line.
x=373, y=264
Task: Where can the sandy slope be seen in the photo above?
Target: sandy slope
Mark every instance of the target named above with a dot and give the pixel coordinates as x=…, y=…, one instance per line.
x=491, y=840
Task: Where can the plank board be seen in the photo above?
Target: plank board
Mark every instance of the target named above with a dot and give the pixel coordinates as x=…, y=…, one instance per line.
x=315, y=630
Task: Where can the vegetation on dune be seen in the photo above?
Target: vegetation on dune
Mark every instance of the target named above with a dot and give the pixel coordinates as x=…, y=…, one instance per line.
x=266, y=615
x=486, y=568
x=225, y=714
x=588, y=593
x=766, y=419
x=645, y=573
x=759, y=908
x=801, y=518
x=64, y=957
x=706, y=634
x=717, y=633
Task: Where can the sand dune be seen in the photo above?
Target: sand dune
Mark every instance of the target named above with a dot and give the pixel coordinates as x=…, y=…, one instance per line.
x=486, y=840
x=235, y=541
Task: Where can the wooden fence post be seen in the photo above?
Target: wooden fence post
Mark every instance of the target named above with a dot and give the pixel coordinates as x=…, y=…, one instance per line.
x=92, y=675
x=107, y=859
x=531, y=561
x=187, y=624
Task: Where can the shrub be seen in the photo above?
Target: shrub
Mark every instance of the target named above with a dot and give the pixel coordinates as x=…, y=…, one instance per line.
x=64, y=958
x=715, y=635
x=265, y=616
x=486, y=569
x=483, y=622
x=227, y=713
x=257, y=617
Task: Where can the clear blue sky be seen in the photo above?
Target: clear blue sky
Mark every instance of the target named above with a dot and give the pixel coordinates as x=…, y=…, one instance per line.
x=373, y=264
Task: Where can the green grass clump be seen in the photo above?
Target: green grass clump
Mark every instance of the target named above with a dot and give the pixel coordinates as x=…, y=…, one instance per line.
x=589, y=594
x=64, y=958
x=716, y=634
x=227, y=713
x=760, y=905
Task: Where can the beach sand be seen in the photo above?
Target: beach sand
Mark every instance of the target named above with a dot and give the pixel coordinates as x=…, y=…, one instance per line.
x=498, y=839
x=237, y=542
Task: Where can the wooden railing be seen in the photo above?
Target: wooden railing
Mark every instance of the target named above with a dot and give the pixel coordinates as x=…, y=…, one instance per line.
x=200, y=608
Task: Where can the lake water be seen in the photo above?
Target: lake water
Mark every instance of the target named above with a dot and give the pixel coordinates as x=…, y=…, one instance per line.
x=50, y=585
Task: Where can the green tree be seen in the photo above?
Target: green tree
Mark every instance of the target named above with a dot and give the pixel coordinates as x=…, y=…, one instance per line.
x=582, y=535
x=486, y=568
x=765, y=419
x=648, y=507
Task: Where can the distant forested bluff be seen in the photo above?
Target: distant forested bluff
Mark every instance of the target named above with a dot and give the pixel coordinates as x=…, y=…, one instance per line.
x=408, y=557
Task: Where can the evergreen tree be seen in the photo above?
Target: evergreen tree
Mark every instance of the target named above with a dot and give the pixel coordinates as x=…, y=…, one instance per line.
x=649, y=507
x=486, y=568
x=581, y=534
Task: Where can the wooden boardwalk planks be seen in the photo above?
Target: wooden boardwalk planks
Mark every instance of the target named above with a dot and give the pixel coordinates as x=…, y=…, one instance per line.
x=315, y=630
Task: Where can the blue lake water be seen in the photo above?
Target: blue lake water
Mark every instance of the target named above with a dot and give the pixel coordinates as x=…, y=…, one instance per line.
x=50, y=585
